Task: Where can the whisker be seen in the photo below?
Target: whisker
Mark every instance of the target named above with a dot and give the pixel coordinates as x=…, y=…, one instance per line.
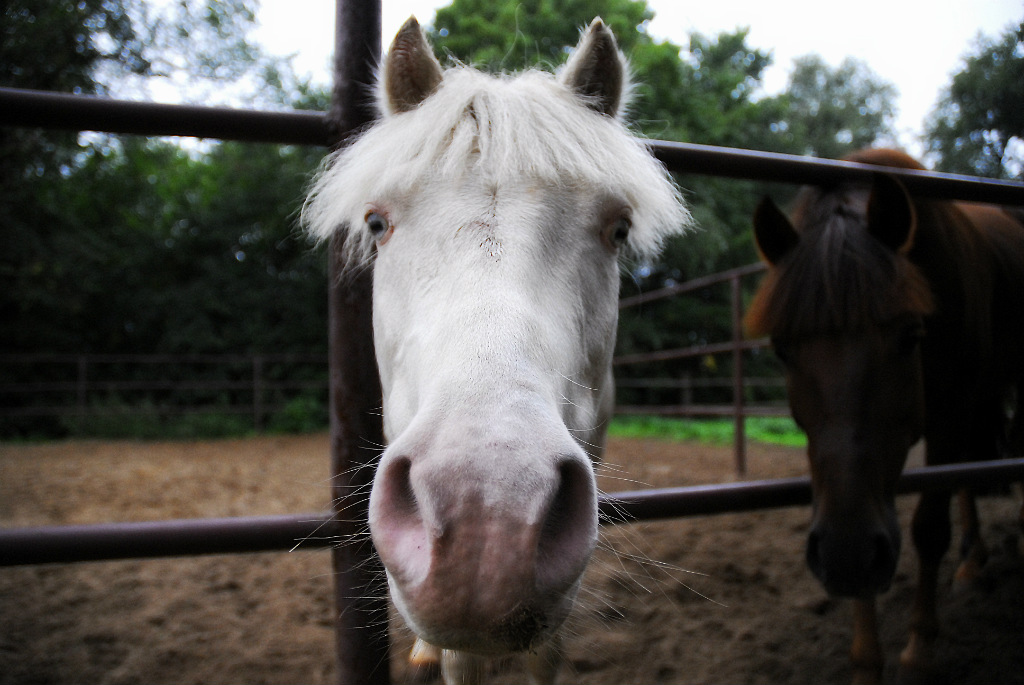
x=577, y=383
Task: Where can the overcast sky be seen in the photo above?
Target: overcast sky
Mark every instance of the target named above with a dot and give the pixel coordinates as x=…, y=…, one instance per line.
x=914, y=44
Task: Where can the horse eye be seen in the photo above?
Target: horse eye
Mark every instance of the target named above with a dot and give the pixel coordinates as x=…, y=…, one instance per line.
x=378, y=225
x=618, y=231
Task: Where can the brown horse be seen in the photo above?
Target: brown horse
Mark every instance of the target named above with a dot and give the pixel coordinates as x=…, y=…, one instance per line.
x=896, y=319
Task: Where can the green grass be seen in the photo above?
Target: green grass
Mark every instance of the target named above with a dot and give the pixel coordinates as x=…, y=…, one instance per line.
x=771, y=430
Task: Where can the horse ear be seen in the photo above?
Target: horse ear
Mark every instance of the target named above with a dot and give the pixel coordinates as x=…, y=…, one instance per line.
x=596, y=70
x=891, y=216
x=773, y=232
x=411, y=72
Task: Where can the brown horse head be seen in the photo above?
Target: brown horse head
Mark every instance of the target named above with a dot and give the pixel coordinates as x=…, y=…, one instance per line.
x=845, y=309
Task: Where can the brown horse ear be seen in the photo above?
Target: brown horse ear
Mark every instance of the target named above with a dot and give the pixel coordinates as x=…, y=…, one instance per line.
x=411, y=72
x=773, y=232
x=891, y=217
x=596, y=70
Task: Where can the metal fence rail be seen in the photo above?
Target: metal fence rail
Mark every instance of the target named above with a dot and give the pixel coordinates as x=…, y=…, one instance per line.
x=40, y=109
x=190, y=537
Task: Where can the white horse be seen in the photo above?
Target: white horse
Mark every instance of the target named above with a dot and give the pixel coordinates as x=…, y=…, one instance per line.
x=495, y=210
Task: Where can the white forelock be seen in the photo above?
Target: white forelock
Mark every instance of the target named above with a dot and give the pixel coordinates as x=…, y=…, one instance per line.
x=502, y=130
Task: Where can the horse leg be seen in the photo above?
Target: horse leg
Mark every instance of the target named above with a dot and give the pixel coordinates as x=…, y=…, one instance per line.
x=1020, y=518
x=973, y=552
x=462, y=668
x=1018, y=549
x=931, y=534
x=866, y=652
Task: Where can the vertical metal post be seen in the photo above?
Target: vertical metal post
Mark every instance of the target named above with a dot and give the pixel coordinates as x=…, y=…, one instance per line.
x=361, y=626
x=740, y=435
x=83, y=384
x=257, y=393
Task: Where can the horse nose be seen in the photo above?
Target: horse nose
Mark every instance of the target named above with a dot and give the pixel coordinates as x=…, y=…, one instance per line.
x=488, y=564
x=569, y=531
x=850, y=562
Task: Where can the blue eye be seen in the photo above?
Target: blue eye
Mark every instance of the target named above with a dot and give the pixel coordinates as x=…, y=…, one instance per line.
x=378, y=224
x=618, y=231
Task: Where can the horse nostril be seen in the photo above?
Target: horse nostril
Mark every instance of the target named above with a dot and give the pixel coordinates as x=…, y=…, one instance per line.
x=852, y=562
x=396, y=519
x=398, y=490
x=569, y=531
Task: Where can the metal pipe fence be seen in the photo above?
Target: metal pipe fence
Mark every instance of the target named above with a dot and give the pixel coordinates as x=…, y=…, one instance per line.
x=192, y=537
x=40, y=109
x=361, y=631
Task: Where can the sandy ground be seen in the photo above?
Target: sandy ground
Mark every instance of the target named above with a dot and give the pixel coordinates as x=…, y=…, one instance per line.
x=721, y=599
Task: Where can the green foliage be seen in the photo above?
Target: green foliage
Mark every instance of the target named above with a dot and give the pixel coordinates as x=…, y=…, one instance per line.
x=715, y=432
x=835, y=111
x=980, y=113
x=91, y=32
x=114, y=419
x=127, y=245
x=776, y=431
x=768, y=430
x=148, y=249
x=508, y=36
x=304, y=414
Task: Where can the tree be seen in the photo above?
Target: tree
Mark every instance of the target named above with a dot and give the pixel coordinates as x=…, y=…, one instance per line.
x=79, y=209
x=706, y=97
x=117, y=244
x=979, y=115
x=61, y=44
x=506, y=36
x=832, y=112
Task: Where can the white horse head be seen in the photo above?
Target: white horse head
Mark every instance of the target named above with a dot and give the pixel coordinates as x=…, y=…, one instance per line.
x=495, y=210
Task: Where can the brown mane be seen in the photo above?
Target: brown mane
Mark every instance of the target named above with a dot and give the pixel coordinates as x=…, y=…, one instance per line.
x=838, y=278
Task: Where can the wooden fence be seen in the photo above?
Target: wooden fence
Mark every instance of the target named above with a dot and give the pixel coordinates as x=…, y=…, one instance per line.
x=90, y=385
x=736, y=346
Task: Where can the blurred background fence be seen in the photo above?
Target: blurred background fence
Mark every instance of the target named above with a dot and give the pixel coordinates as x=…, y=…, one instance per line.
x=138, y=395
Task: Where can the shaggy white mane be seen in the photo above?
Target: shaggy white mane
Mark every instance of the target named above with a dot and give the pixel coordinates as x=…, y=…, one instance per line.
x=501, y=129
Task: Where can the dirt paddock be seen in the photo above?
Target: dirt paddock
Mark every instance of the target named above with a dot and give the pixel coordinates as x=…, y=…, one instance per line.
x=721, y=599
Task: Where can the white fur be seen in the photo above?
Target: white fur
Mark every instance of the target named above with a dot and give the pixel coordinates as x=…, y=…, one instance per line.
x=495, y=309
x=500, y=129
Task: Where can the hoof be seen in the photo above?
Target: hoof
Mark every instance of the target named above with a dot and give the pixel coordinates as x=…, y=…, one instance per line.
x=424, y=662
